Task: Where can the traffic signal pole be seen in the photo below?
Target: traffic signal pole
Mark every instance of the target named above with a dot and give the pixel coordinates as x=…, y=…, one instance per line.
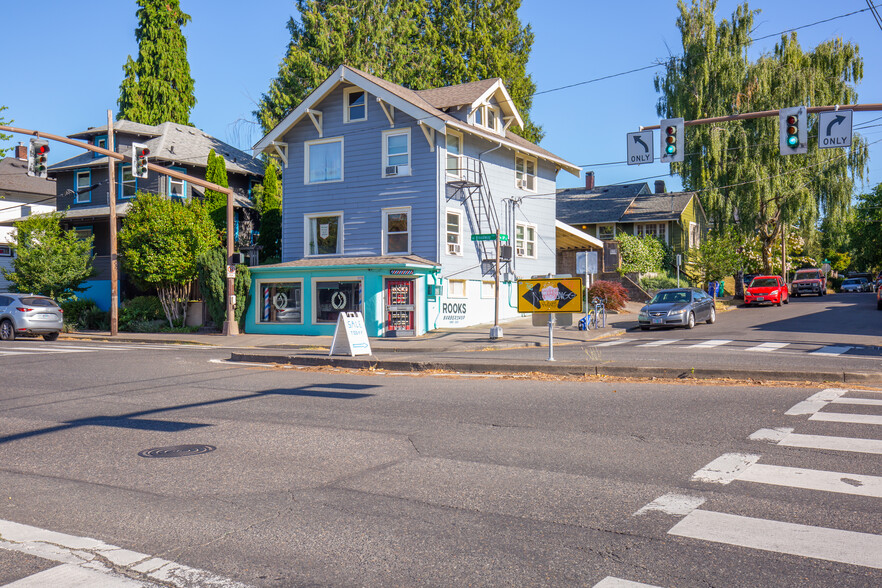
x=768, y=113
x=231, y=327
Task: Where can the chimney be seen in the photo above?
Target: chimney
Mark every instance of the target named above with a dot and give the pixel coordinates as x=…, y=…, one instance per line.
x=589, y=180
x=21, y=152
x=659, y=186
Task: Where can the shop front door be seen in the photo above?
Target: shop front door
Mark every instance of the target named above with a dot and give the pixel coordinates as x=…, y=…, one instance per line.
x=400, y=308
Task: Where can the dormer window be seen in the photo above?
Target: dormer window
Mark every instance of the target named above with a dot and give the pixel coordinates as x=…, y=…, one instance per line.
x=100, y=141
x=488, y=117
x=354, y=105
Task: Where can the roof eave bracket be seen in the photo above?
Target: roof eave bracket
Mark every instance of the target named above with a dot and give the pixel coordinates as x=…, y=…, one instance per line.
x=429, y=133
x=316, y=117
x=281, y=150
x=388, y=110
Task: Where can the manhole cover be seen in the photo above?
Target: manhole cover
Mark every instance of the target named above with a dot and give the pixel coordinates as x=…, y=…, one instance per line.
x=176, y=451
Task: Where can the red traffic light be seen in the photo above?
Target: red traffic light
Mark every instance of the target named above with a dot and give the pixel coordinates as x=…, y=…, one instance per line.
x=671, y=130
x=41, y=149
x=791, y=121
x=143, y=152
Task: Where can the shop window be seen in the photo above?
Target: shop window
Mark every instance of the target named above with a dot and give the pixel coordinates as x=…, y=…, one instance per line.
x=324, y=234
x=324, y=161
x=280, y=302
x=332, y=298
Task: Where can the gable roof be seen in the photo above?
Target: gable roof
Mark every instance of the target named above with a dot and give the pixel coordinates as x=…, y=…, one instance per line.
x=170, y=143
x=658, y=207
x=418, y=106
x=623, y=203
x=17, y=185
x=458, y=95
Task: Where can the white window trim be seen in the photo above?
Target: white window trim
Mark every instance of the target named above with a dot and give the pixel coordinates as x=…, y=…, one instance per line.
x=526, y=179
x=458, y=213
x=308, y=144
x=465, y=290
x=606, y=225
x=535, y=240
x=85, y=196
x=663, y=225
x=459, y=157
x=307, y=218
x=397, y=210
x=314, y=287
x=346, y=94
x=487, y=113
x=384, y=161
x=689, y=242
x=258, y=300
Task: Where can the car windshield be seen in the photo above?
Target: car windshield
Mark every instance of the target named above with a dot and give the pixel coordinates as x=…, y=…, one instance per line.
x=808, y=275
x=34, y=301
x=849, y=282
x=670, y=297
x=764, y=283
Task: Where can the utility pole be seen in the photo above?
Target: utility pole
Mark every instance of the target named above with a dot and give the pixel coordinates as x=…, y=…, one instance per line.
x=231, y=327
x=111, y=200
x=784, y=251
x=496, y=331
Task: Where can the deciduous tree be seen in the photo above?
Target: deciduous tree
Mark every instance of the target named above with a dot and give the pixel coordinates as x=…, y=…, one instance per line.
x=866, y=231
x=216, y=202
x=3, y=136
x=157, y=86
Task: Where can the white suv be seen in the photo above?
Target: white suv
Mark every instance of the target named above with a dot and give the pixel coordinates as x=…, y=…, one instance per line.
x=27, y=314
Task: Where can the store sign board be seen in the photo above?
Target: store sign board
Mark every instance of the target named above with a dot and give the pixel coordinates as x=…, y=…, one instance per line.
x=350, y=337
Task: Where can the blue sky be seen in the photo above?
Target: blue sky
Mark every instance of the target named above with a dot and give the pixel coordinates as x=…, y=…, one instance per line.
x=234, y=52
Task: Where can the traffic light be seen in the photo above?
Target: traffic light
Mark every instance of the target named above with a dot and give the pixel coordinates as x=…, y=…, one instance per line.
x=139, y=160
x=672, y=140
x=793, y=130
x=37, y=155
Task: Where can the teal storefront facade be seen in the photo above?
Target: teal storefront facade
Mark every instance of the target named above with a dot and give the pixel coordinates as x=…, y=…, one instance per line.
x=305, y=297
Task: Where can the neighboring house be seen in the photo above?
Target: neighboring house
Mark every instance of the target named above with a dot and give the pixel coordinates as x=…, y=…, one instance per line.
x=20, y=195
x=677, y=218
x=384, y=188
x=83, y=190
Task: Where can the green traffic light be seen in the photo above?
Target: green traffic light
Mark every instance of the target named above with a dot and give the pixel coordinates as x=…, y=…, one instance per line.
x=793, y=140
x=671, y=149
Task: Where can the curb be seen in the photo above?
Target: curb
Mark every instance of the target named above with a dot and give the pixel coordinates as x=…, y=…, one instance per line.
x=562, y=369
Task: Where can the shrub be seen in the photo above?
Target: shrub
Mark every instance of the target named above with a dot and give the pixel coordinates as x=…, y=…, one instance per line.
x=640, y=254
x=83, y=314
x=136, y=314
x=659, y=282
x=613, y=293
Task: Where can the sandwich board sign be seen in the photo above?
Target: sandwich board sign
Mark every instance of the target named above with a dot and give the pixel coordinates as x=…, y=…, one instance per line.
x=350, y=336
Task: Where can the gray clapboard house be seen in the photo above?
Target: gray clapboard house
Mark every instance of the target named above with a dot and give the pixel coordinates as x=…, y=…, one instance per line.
x=384, y=188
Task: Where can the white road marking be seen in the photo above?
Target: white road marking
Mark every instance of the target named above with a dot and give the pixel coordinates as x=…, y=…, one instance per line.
x=611, y=343
x=849, y=547
x=832, y=350
x=842, y=483
x=816, y=402
x=842, y=417
x=862, y=401
x=833, y=443
x=771, y=435
x=89, y=554
x=726, y=468
x=659, y=342
x=610, y=582
x=675, y=504
x=708, y=344
x=770, y=346
x=72, y=576
x=47, y=349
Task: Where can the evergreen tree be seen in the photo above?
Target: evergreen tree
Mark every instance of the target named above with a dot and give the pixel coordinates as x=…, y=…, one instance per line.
x=419, y=44
x=737, y=164
x=157, y=86
x=269, y=204
x=216, y=202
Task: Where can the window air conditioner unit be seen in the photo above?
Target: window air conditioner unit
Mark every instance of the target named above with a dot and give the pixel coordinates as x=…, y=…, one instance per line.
x=391, y=170
x=453, y=248
x=521, y=252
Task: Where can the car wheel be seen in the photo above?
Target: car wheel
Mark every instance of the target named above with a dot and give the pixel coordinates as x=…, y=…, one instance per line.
x=778, y=303
x=712, y=317
x=690, y=322
x=645, y=328
x=50, y=336
x=7, y=331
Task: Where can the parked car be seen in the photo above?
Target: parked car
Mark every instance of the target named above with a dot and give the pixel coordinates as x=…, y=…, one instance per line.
x=879, y=298
x=855, y=285
x=771, y=289
x=677, y=307
x=809, y=281
x=27, y=314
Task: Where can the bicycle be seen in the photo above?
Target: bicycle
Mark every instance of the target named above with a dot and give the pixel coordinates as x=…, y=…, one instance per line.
x=595, y=316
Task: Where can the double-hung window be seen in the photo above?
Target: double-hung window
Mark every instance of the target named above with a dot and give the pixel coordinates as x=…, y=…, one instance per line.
x=84, y=180
x=177, y=188
x=454, y=233
x=354, y=105
x=656, y=230
x=396, y=231
x=324, y=233
x=694, y=235
x=606, y=232
x=525, y=240
x=128, y=183
x=396, y=153
x=323, y=161
x=454, y=153
x=525, y=173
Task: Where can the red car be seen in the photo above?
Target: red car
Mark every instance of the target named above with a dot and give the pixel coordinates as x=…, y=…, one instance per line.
x=771, y=289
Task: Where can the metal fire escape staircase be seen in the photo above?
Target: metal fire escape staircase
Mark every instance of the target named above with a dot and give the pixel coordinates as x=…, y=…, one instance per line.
x=468, y=184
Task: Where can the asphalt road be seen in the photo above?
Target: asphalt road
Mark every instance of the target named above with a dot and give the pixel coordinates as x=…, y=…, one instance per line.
x=330, y=478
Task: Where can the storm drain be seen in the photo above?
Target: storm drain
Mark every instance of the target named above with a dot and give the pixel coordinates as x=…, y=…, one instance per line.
x=177, y=451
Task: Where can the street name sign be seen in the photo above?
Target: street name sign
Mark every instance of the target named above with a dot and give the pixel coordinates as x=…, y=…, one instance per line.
x=834, y=129
x=489, y=237
x=550, y=295
x=641, y=149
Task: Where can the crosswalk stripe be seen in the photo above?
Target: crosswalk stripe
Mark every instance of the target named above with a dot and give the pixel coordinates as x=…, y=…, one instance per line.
x=610, y=582
x=857, y=484
x=842, y=417
x=45, y=349
x=770, y=346
x=659, y=342
x=862, y=401
x=73, y=575
x=726, y=468
x=709, y=343
x=673, y=503
x=832, y=350
x=832, y=443
x=611, y=343
x=849, y=547
x=815, y=402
